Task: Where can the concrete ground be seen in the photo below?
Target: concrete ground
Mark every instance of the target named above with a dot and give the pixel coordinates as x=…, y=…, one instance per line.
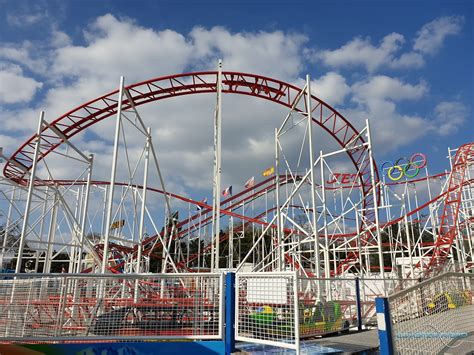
x=365, y=342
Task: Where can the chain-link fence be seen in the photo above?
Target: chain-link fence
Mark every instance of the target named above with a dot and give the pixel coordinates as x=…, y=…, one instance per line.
x=59, y=308
x=434, y=316
x=371, y=288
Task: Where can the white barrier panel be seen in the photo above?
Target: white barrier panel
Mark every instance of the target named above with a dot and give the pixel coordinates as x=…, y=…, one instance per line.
x=45, y=308
x=267, y=309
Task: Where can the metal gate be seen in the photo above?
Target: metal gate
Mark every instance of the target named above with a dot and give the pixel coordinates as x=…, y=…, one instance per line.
x=266, y=309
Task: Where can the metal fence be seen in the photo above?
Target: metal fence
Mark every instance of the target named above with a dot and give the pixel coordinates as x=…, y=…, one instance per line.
x=282, y=308
x=41, y=308
x=434, y=316
x=266, y=309
x=371, y=288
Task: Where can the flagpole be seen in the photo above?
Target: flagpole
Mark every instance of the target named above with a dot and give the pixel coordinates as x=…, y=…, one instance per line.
x=216, y=203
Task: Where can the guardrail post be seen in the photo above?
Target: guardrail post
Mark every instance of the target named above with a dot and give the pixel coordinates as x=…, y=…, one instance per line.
x=358, y=304
x=384, y=325
x=230, y=313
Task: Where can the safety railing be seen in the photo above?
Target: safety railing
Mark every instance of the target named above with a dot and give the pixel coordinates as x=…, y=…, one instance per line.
x=282, y=308
x=266, y=309
x=433, y=316
x=371, y=288
x=40, y=308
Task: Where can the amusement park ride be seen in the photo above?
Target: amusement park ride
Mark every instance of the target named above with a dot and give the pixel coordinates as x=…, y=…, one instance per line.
x=308, y=214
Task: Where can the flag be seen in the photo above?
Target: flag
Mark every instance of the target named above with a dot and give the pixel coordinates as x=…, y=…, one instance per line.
x=204, y=200
x=227, y=192
x=250, y=182
x=269, y=171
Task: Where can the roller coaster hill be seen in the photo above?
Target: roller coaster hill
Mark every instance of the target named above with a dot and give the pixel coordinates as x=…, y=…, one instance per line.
x=133, y=258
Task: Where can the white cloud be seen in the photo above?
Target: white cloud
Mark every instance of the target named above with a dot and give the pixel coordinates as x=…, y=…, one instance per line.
x=22, y=53
x=449, y=116
x=260, y=52
x=331, y=87
x=117, y=48
x=361, y=52
x=14, y=86
x=382, y=87
x=375, y=99
x=431, y=36
x=24, y=19
x=408, y=60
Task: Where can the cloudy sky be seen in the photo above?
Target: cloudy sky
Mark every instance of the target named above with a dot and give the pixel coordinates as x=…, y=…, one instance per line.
x=405, y=65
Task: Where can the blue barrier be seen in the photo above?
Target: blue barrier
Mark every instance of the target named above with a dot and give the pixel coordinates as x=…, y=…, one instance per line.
x=358, y=305
x=230, y=313
x=384, y=325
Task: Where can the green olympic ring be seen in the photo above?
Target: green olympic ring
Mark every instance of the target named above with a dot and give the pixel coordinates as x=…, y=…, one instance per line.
x=403, y=166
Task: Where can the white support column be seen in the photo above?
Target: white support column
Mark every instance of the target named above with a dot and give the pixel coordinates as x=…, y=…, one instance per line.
x=375, y=197
x=40, y=234
x=110, y=202
x=31, y=183
x=7, y=226
x=84, y=214
x=216, y=200
x=317, y=260
x=327, y=264
x=143, y=205
x=408, y=236
x=51, y=234
x=142, y=212
x=279, y=249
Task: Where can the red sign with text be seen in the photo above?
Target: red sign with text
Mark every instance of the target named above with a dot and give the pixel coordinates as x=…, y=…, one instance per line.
x=342, y=178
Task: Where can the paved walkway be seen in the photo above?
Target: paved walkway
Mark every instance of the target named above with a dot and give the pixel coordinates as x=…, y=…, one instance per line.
x=353, y=343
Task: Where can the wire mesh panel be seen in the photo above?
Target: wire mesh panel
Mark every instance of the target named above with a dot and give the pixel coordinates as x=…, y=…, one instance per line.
x=266, y=309
x=116, y=307
x=371, y=288
x=433, y=316
x=326, y=306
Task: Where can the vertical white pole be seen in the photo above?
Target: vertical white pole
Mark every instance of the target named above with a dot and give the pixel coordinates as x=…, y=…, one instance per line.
x=231, y=243
x=77, y=213
x=408, y=236
x=374, y=194
x=31, y=184
x=279, y=250
x=143, y=205
x=110, y=202
x=142, y=211
x=51, y=233
x=327, y=264
x=313, y=183
x=7, y=226
x=84, y=213
x=216, y=208
x=43, y=219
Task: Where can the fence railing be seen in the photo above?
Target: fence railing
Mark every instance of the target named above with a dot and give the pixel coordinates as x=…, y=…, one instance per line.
x=266, y=309
x=433, y=316
x=282, y=308
x=79, y=307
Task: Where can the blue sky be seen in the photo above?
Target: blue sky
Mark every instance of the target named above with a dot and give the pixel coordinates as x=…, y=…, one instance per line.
x=406, y=65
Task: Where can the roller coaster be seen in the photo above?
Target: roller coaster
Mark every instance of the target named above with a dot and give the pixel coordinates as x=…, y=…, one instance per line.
x=326, y=214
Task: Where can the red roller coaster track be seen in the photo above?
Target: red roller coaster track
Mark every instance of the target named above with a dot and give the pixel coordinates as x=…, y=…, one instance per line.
x=449, y=219
x=156, y=89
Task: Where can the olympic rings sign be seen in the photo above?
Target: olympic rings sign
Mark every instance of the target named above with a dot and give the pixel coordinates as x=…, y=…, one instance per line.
x=404, y=167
